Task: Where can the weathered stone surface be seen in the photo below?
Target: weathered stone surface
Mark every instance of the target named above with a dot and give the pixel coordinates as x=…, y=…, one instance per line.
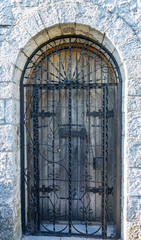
x=6, y=221
x=6, y=168
x=115, y=32
x=1, y=109
x=6, y=90
x=133, y=208
x=25, y=3
x=30, y=47
x=134, y=103
x=11, y=109
x=40, y=38
x=134, y=152
x=134, y=124
x=6, y=71
x=134, y=180
x=4, y=31
x=5, y=13
x=52, y=14
x=93, y=15
x=7, y=138
x=33, y=25
x=21, y=61
x=131, y=48
x=18, y=37
x=69, y=11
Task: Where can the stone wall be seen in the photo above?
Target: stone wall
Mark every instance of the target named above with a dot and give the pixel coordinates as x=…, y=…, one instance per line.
x=24, y=25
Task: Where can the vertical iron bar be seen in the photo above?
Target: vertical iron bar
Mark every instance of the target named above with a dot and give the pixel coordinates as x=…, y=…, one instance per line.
x=70, y=150
x=104, y=172
x=36, y=160
x=86, y=165
x=70, y=167
x=22, y=158
x=53, y=161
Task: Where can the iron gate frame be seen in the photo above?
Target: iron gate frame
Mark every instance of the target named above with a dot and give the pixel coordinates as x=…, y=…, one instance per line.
x=105, y=187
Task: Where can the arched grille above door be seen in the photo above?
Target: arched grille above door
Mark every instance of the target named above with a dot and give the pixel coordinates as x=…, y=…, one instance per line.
x=70, y=101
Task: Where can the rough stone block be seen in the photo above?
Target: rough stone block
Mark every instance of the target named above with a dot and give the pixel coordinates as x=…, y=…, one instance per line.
x=25, y=3
x=133, y=208
x=134, y=152
x=54, y=32
x=94, y=15
x=133, y=68
x=107, y=44
x=6, y=71
x=6, y=222
x=19, y=37
x=8, y=58
x=96, y=35
x=32, y=23
x=41, y=37
x=49, y=16
x=16, y=79
x=68, y=28
x=5, y=13
x=117, y=57
x=131, y=48
x=4, y=31
x=21, y=61
x=6, y=188
x=9, y=90
x=7, y=138
x=30, y=47
x=134, y=103
x=133, y=230
x=82, y=29
x=12, y=107
x=133, y=181
x=134, y=86
x=119, y=32
x=68, y=14
x=134, y=124
x=1, y=109
x=6, y=168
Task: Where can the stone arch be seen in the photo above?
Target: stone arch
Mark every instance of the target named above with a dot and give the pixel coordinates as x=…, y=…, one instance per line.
x=67, y=29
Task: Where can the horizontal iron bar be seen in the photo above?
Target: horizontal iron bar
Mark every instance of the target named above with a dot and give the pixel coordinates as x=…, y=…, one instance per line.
x=62, y=85
x=63, y=133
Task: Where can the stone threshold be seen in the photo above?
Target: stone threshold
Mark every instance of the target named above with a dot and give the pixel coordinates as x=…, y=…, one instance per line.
x=55, y=238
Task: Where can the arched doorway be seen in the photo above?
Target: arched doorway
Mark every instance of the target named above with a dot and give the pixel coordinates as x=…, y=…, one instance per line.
x=70, y=139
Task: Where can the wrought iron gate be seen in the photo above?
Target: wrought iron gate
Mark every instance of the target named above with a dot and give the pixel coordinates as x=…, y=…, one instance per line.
x=69, y=176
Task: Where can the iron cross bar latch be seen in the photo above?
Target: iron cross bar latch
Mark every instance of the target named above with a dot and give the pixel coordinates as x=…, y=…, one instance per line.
x=43, y=114
x=100, y=113
x=64, y=133
x=99, y=190
x=47, y=189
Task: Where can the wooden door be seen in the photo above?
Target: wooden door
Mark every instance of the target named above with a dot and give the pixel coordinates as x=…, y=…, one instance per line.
x=70, y=115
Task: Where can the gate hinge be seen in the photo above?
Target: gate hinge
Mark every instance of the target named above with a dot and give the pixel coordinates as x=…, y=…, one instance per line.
x=45, y=189
x=100, y=113
x=99, y=190
x=43, y=114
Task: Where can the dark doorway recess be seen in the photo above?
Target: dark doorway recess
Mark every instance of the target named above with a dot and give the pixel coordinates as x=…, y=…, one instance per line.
x=70, y=140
